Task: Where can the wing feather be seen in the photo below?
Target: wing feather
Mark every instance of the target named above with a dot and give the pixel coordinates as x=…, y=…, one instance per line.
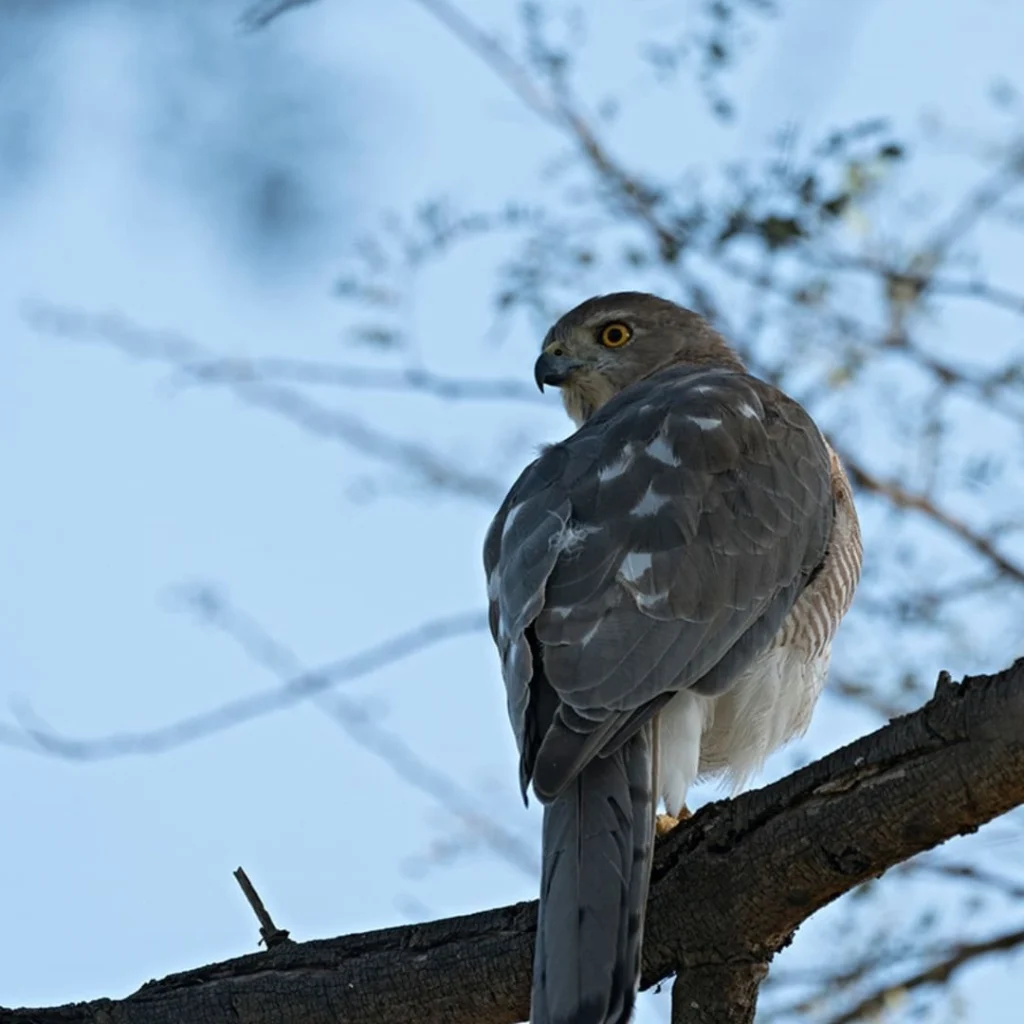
x=658, y=548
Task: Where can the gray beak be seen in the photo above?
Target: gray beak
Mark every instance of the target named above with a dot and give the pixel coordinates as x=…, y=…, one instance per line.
x=554, y=370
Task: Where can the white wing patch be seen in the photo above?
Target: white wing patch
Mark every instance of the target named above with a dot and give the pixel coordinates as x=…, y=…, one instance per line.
x=706, y=422
x=510, y=518
x=654, y=603
x=661, y=450
x=562, y=611
x=649, y=503
x=634, y=565
x=618, y=467
x=746, y=409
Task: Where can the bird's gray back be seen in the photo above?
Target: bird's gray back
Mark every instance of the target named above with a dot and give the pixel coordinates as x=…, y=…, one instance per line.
x=659, y=547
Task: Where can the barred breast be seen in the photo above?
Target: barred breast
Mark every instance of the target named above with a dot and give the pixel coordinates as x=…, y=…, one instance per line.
x=772, y=700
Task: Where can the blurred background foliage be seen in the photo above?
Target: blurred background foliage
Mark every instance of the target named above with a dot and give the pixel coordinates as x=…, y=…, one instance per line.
x=870, y=268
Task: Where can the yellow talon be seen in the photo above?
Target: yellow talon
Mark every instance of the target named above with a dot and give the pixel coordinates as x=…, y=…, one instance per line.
x=664, y=823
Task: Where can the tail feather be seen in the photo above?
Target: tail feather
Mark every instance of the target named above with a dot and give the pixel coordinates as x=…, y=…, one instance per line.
x=598, y=841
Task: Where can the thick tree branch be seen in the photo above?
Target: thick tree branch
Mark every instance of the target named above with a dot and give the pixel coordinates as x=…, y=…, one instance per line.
x=718, y=993
x=729, y=887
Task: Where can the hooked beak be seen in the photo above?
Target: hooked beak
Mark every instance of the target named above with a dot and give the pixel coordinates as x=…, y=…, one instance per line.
x=555, y=370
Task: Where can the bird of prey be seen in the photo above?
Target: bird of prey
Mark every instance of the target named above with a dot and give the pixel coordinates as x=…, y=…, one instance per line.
x=664, y=587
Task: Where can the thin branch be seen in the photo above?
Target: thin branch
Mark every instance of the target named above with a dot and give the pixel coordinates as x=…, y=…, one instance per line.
x=980, y=201
x=260, y=15
x=302, y=685
x=956, y=958
x=1001, y=298
x=916, y=281
x=494, y=55
x=990, y=389
x=302, y=371
x=561, y=109
x=353, y=719
x=968, y=873
x=864, y=694
x=902, y=498
x=185, y=356
x=270, y=934
x=299, y=687
x=994, y=390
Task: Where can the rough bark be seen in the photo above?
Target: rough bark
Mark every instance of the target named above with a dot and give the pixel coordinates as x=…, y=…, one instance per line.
x=729, y=888
x=718, y=993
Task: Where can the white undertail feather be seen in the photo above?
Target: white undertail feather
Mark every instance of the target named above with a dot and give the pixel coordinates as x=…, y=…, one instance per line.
x=680, y=726
x=731, y=735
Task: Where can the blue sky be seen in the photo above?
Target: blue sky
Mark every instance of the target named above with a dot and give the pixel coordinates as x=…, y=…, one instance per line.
x=200, y=180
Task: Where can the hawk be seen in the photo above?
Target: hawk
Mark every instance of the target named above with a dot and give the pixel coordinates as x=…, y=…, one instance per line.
x=663, y=586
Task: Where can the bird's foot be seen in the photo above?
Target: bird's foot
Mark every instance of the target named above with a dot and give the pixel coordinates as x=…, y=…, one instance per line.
x=664, y=823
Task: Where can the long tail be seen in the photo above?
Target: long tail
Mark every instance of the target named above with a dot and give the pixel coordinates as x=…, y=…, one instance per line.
x=598, y=843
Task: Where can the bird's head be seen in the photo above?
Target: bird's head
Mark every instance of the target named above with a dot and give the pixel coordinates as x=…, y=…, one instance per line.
x=611, y=341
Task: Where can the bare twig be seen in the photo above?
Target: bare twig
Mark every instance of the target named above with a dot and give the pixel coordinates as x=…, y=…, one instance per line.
x=494, y=55
x=185, y=356
x=558, y=107
x=1001, y=298
x=300, y=371
x=260, y=15
x=956, y=957
x=864, y=694
x=981, y=200
x=270, y=934
x=902, y=498
x=299, y=687
x=966, y=873
x=353, y=719
x=916, y=280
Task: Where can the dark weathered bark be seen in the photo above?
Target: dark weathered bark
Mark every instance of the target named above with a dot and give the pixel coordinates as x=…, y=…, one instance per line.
x=729, y=888
x=723, y=993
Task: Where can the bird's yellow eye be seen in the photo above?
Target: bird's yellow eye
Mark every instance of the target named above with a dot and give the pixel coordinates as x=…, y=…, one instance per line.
x=614, y=335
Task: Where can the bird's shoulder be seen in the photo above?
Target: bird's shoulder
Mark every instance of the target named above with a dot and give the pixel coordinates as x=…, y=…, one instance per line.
x=678, y=427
